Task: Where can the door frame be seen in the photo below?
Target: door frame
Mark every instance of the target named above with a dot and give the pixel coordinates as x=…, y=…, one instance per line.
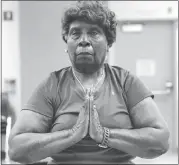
x=174, y=24
x=175, y=47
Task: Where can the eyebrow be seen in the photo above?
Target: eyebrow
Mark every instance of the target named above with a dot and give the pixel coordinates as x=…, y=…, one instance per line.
x=74, y=28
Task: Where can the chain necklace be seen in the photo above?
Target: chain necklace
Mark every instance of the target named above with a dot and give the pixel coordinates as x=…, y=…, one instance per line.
x=92, y=89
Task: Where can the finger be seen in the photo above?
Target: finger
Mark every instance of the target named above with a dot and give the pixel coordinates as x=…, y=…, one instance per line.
x=97, y=123
x=84, y=112
x=96, y=120
x=93, y=106
x=87, y=102
x=93, y=115
x=96, y=114
x=81, y=115
x=85, y=105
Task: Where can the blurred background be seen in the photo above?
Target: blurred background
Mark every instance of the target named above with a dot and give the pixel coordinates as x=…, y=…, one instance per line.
x=147, y=45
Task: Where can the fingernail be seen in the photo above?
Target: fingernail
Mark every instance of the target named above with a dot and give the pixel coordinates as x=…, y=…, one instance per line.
x=94, y=106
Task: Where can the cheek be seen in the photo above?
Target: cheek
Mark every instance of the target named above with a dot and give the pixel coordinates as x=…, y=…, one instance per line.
x=100, y=47
x=100, y=44
x=71, y=46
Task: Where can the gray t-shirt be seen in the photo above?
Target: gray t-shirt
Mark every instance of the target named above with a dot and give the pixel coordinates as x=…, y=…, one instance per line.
x=59, y=98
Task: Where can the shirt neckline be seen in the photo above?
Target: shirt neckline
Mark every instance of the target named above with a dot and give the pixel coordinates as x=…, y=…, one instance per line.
x=79, y=89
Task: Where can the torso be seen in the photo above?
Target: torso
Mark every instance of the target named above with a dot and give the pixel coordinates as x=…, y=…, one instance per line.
x=112, y=110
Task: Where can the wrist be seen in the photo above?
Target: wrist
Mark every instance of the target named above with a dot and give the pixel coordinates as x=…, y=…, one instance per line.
x=105, y=139
x=101, y=135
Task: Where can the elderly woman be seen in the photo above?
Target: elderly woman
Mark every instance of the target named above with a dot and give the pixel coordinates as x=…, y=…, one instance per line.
x=89, y=112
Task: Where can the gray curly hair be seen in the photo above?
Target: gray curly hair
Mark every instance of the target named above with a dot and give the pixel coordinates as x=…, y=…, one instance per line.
x=94, y=12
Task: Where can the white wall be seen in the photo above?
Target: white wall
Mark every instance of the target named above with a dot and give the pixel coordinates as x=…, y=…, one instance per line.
x=10, y=51
x=1, y=51
x=151, y=11
x=176, y=66
x=32, y=44
x=142, y=10
x=42, y=49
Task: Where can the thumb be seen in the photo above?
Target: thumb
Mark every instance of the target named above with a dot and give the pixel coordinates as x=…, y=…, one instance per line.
x=95, y=113
x=86, y=106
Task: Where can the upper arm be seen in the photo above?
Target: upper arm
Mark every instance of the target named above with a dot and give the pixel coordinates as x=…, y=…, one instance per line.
x=37, y=114
x=30, y=122
x=141, y=106
x=135, y=90
x=147, y=114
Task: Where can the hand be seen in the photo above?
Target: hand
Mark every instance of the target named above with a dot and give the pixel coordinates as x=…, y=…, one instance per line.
x=80, y=129
x=96, y=131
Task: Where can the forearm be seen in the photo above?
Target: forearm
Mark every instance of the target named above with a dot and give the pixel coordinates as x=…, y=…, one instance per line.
x=32, y=147
x=144, y=142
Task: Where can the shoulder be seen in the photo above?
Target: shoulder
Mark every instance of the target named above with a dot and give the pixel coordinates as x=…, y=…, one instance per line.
x=125, y=76
x=118, y=73
x=61, y=74
x=56, y=76
x=121, y=72
x=51, y=81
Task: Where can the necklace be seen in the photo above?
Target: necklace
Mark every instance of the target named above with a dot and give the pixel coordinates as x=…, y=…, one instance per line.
x=92, y=89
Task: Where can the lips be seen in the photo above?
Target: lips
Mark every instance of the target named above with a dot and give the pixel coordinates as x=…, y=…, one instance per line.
x=84, y=53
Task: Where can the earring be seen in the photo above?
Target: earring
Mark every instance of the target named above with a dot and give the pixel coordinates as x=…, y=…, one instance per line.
x=66, y=51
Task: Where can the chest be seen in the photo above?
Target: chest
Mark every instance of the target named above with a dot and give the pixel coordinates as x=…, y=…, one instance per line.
x=110, y=106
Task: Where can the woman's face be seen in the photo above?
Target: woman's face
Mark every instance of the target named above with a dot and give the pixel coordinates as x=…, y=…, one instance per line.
x=87, y=46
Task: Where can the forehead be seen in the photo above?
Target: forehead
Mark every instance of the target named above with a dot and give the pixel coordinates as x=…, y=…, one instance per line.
x=84, y=25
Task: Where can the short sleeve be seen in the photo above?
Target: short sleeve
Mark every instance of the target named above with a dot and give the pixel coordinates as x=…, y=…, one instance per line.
x=135, y=90
x=43, y=98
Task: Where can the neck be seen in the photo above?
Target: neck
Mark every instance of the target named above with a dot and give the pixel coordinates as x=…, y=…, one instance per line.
x=89, y=78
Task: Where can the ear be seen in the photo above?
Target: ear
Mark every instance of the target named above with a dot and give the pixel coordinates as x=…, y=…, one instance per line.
x=65, y=38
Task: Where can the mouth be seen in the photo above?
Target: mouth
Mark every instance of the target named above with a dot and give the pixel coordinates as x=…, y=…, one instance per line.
x=84, y=53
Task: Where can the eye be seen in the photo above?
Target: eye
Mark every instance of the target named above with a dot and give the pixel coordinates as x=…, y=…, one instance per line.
x=75, y=33
x=94, y=33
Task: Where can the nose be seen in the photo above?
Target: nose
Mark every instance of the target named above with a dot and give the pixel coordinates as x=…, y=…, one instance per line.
x=84, y=41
